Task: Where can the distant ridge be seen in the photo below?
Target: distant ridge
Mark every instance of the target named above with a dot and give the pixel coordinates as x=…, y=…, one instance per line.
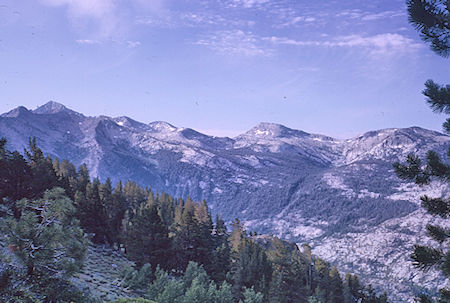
x=341, y=196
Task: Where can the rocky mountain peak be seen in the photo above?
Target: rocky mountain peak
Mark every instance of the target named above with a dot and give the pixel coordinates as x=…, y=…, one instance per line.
x=273, y=130
x=51, y=107
x=16, y=112
x=161, y=126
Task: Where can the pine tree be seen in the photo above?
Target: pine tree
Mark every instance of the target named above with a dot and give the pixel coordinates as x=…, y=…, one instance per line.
x=48, y=242
x=93, y=213
x=106, y=193
x=250, y=296
x=43, y=176
x=116, y=213
x=83, y=178
x=134, y=195
x=205, y=243
x=165, y=289
x=353, y=290
x=15, y=178
x=166, y=209
x=322, y=279
x=250, y=268
x=147, y=238
x=289, y=275
x=192, y=235
x=222, y=253
x=432, y=19
x=336, y=286
x=67, y=176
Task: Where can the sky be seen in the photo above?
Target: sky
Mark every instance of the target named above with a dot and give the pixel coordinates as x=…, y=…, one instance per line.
x=338, y=68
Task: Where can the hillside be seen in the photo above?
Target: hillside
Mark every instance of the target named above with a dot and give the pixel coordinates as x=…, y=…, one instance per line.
x=339, y=195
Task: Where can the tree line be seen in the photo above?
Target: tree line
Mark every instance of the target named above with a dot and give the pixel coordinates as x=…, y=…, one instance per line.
x=50, y=211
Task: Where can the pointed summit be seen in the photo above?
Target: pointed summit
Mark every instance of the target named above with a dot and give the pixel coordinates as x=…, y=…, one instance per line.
x=51, y=107
x=18, y=111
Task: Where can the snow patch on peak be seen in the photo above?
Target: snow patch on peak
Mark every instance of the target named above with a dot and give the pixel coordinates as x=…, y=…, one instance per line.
x=161, y=126
x=125, y=121
x=266, y=129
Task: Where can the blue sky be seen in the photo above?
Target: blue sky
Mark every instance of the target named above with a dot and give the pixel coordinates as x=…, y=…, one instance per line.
x=338, y=68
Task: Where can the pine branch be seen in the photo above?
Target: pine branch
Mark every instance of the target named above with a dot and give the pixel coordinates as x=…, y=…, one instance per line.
x=412, y=170
x=436, y=206
x=444, y=292
x=438, y=96
x=432, y=19
x=425, y=257
x=438, y=233
x=446, y=266
x=437, y=168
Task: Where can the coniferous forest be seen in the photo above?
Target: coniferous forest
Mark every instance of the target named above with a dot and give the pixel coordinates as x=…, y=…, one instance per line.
x=51, y=212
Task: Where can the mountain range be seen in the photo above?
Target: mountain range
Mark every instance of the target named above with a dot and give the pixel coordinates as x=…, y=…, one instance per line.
x=340, y=196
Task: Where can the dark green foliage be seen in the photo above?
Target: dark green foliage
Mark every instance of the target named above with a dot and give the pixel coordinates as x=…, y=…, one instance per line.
x=194, y=286
x=353, y=290
x=221, y=255
x=371, y=297
x=165, y=289
x=47, y=236
x=43, y=175
x=91, y=212
x=438, y=96
x=138, y=279
x=134, y=195
x=250, y=296
x=422, y=298
x=115, y=210
x=289, y=275
x=192, y=235
x=437, y=233
x=336, y=286
x=436, y=206
x=412, y=170
x=138, y=300
x=432, y=19
x=147, y=238
x=49, y=247
x=425, y=257
x=250, y=265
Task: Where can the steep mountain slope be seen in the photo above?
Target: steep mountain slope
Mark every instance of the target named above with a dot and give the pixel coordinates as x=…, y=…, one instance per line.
x=340, y=195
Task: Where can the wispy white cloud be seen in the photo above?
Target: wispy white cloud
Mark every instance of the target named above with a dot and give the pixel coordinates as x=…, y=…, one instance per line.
x=100, y=11
x=161, y=21
x=308, y=69
x=369, y=16
x=194, y=19
x=351, y=13
x=133, y=44
x=247, y=3
x=296, y=20
x=378, y=44
x=382, y=15
x=87, y=41
x=235, y=42
x=104, y=19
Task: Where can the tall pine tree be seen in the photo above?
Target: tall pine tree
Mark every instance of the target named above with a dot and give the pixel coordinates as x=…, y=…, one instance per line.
x=432, y=19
